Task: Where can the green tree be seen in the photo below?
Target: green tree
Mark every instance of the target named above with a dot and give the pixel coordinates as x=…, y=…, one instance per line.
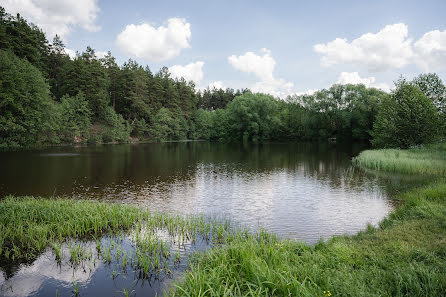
x=253, y=117
x=75, y=118
x=406, y=118
x=25, y=103
x=167, y=126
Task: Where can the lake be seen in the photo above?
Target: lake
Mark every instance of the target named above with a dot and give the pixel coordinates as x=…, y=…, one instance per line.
x=303, y=191
x=300, y=191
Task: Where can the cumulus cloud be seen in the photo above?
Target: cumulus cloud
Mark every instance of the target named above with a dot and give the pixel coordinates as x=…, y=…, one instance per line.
x=354, y=78
x=192, y=71
x=156, y=44
x=431, y=51
x=55, y=16
x=262, y=66
x=387, y=49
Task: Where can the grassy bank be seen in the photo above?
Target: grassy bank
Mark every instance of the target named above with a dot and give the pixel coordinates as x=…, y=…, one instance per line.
x=429, y=159
x=404, y=256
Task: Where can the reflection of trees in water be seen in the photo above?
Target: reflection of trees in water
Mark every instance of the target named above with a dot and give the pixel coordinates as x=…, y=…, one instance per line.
x=100, y=170
x=114, y=170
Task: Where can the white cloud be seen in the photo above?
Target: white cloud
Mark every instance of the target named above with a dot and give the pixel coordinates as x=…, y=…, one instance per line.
x=217, y=84
x=263, y=68
x=307, y=92
x=431, y=51
x=100, y=54
x=276, y=87
x=354, y=78
x=156, y=44
x=71, y=53
x=260, y=66
x=55, y=16
x=387, y=49
x=192, y=71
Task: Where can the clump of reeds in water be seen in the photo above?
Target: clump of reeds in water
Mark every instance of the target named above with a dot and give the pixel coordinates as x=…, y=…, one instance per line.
x=85, y=232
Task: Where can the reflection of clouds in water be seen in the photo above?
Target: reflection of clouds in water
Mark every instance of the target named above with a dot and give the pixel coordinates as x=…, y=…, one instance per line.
x=291, y=203
x=30, y=278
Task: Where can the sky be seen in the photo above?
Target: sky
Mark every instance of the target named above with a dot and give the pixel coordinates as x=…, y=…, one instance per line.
x=276, y=47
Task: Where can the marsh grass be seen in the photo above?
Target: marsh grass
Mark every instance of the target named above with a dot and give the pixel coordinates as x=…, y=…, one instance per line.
x=428, y=160
x=83, y=233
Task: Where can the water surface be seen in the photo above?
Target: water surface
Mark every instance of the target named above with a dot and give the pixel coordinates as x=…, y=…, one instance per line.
x=300, y=191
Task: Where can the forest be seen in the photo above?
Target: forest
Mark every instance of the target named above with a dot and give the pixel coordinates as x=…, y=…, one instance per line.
x=48, y=98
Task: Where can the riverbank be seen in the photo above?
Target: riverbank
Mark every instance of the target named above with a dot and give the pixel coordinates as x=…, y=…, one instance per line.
x=404, y=256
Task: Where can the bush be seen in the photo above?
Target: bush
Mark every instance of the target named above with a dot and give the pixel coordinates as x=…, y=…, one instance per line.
x=405, y=119
x=74, y=118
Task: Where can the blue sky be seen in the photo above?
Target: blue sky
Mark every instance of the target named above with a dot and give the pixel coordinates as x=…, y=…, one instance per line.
x=280, y=47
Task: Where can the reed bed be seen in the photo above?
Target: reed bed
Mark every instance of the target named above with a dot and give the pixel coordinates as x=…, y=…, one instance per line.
x=429, y=160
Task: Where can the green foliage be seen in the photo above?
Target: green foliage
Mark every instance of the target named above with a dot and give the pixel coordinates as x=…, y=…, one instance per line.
x=116, y=127
x=140, y=129
x=26, y=41
x=432, y=86
x=25, y=102
x=253, y=117
x=343, y=111
x=75, y=118
x=168, y=126
x=407, y=118
x=202, y=121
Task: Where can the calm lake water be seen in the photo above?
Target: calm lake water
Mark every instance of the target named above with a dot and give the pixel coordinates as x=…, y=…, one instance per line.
x=302, y=191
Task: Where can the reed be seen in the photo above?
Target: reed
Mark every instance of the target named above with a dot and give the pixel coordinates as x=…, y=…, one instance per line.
x=430, y=159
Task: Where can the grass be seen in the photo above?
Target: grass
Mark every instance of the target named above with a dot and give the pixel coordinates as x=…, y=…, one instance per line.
x=429, y=159
x=30, y=225
x=86, y=231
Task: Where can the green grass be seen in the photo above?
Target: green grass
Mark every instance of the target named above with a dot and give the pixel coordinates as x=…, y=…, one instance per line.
x=429, y=159
x=30, y=225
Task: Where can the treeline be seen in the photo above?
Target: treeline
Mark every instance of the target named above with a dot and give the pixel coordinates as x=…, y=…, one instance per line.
x=48, y=98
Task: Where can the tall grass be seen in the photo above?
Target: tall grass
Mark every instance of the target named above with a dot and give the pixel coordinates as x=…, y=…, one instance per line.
x=420, y=160
x=30, y=225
